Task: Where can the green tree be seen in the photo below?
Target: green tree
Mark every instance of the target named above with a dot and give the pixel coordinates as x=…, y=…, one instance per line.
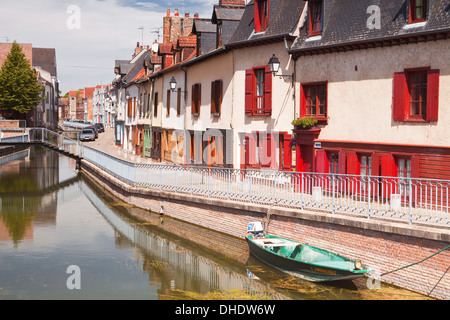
x=19, y=89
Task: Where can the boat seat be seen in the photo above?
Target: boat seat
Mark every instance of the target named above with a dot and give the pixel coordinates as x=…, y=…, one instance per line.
x=296, y=251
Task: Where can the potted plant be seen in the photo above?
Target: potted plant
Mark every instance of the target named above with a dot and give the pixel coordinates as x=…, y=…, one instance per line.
x=304, y=123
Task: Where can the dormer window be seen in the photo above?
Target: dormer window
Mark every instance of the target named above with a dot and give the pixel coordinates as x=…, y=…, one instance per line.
x=261, y=15
x=315, y=17
x=417, y=11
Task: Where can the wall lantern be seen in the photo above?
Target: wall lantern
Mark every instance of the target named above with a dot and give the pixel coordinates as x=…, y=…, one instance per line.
x=173, y=84
x=127, y=95
x=274, y=66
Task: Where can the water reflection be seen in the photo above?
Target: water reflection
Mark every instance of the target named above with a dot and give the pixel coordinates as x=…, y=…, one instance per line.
x=52, y=217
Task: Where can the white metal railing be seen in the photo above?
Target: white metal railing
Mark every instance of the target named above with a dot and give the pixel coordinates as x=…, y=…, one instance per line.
x=394, y=198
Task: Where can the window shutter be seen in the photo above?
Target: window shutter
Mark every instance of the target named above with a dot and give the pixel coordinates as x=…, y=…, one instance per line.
x=249, y=92
x=287, y=152
x=266, y=160
x=414, y=166
x=219, y=95
x=193, y=94
x=352, y=163
x=213, y=97
x=375, y=165
x=199, y=97
x=399, y=96
x=321, y=161
x=267, y=91
x=433, y=95
x=302, y=102
x=387, y=165
x=342, y=164
x=251, y=149
x=247, y=151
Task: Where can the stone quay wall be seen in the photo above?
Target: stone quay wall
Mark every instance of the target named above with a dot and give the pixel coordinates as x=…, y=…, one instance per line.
x=383, y=246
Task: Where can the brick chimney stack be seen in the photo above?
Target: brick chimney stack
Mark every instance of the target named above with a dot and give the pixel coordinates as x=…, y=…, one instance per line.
x=231, y=3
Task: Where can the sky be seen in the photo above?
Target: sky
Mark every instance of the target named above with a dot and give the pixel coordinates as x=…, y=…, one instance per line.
x=89, y=35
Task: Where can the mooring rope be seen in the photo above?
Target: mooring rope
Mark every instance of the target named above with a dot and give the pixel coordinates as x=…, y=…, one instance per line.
x=412, y=264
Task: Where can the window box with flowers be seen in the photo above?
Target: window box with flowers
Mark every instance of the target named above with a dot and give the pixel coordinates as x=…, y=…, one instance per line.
x=304, y=123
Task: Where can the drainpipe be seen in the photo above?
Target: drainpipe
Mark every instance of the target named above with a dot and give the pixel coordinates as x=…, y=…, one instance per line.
x=185, y=114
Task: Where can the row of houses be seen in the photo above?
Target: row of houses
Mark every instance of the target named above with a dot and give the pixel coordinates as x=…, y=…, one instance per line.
x=90, y=104
x=43, y=61
x=224, y=91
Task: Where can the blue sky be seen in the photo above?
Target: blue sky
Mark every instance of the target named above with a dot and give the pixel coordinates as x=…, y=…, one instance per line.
x=88, y=42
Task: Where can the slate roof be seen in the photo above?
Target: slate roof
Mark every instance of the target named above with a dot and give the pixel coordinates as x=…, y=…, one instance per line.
x=220, y=13
x=345, y=22
x=203, y=25
x=136, y=68
x=284, y=16
x=46, y=59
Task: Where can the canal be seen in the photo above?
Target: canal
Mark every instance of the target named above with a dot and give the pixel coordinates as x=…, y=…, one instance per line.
x=63, y=237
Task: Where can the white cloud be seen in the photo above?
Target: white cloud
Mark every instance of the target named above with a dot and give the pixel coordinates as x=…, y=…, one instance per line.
x=108, y=32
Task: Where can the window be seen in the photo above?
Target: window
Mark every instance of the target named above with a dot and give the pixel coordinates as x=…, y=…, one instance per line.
x=261, y=15
x=417, y=11
x=314, y=101
x=416, y=94
x=216, y=97
x=168, y=103
x=196, y=99
x=315, y=18
x=258, y=149
x=258, y=91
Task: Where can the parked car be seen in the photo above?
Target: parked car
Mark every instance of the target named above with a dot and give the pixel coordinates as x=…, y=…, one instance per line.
x=87, y=134
x=93, y=128
x=100, y=127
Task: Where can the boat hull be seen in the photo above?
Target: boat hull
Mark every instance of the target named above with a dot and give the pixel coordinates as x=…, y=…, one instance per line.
x=307, y=271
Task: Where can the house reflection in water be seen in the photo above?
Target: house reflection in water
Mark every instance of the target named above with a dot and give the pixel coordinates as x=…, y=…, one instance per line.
x=30, y=181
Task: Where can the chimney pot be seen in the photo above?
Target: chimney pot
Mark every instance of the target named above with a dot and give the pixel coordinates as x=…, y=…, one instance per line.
x=176, y=13
x=186, y=15
x=168, y=12
x=196, y=15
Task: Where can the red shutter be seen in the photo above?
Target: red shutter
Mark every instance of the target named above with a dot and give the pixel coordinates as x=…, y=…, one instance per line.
x=432, y=95
x=266, y=150
x=414, y=166
x=375, y=165
x=352, y=163
x=219, y=96
x=199, y=97
x=302, y=102
x=321, y=161
x=387, y=165
x=399, y=96
x=287, y=152
x=252, y=149
x=213, y=97
x=342, y=169
x=267, y=91
x=249, y=92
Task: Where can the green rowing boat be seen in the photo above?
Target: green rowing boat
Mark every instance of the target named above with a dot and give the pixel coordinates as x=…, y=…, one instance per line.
x=302, y=260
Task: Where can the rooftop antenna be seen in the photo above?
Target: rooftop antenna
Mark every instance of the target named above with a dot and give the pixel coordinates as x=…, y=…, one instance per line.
x=157, y=31
x=142, y=28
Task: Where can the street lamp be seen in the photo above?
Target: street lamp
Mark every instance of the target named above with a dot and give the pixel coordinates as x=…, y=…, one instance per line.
x=274, y=66
x=173, y=84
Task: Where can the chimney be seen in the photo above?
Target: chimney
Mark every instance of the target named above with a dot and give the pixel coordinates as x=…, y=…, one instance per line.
x=231, y=3
x=137, y=50
x=168, y=12
x=176, y=13
x=196, y=15
x=186, y=15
